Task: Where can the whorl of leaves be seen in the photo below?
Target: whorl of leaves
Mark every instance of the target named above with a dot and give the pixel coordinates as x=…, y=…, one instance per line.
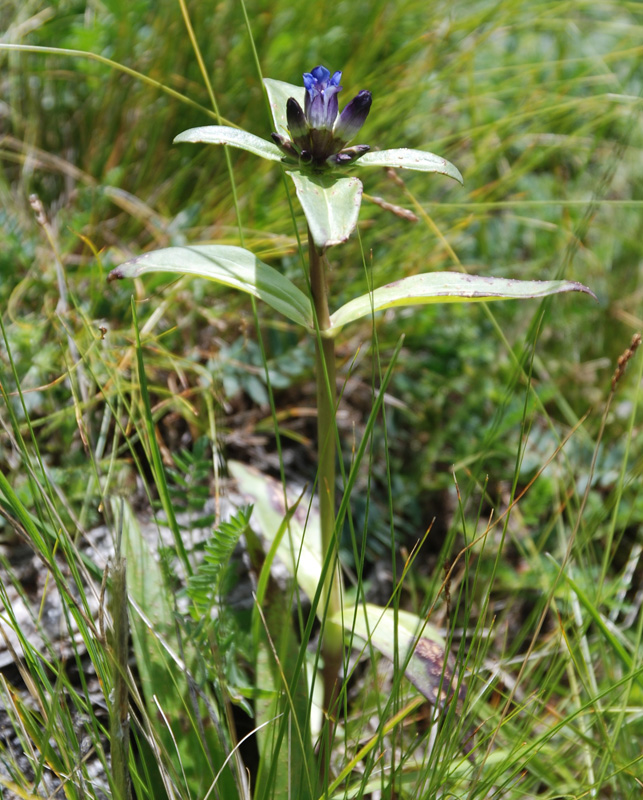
x=203, y=585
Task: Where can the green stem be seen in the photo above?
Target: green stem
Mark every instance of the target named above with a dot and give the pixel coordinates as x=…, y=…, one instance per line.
x=326, y=403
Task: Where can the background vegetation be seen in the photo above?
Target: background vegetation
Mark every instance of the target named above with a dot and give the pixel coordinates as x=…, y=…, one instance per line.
x=539, y=105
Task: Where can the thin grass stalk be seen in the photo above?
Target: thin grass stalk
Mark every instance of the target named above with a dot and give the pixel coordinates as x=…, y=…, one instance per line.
x=119, y=712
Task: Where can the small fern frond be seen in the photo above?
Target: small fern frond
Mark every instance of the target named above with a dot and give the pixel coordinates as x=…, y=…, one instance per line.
x=203, y=586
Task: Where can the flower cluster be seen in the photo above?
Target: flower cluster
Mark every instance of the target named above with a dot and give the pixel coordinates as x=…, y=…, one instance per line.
x=319, y=133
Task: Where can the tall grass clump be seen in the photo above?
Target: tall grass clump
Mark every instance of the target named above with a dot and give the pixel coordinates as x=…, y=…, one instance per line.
x=347, y=541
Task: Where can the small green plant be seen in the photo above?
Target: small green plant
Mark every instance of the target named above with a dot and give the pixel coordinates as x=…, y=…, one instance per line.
x=493, y=412
x=313, y=142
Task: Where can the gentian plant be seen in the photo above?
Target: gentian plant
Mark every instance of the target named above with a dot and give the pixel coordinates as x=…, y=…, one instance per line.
x=312, y=139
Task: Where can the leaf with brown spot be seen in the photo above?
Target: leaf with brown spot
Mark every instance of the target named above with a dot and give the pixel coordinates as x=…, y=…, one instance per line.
x=422, y=649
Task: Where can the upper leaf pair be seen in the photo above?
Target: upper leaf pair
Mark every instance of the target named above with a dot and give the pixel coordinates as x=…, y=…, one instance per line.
x=310, y=138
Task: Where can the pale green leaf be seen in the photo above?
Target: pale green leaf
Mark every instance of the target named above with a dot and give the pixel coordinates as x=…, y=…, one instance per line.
x=331, y=206
x=448, y=287
x=299, y=547
x=235, y=137
x=405, y=158
x=282, y=698
x=278, y=94
x=231, y=266
x=429, y=668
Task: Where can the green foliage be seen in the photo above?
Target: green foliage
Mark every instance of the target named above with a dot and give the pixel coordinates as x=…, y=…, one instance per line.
x=331, y=205
x=539, y=106
x=242, y=367
x=231, y=266
x=189, y=482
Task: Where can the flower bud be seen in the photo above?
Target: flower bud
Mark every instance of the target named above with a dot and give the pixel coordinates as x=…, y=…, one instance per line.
x=349, y=154
x=353, y=117
x=285, y=145
x=297, y=124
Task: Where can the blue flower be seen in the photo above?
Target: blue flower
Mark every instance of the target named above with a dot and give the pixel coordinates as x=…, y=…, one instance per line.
x=321, y=98
x=319, y=134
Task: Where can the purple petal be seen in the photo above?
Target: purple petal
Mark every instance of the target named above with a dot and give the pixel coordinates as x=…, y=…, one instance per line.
x=332, y=107
x=307, y=101
x=321, y=74
x=316, y=113
x=341, y=159
x=309, y=81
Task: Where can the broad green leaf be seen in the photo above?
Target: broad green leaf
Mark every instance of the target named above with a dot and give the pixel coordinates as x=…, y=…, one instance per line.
x=235, y=137
x=405, y=158
x=429, y=667
x=447, y=287
x=278, y=94
x=231, y=266
x=331, y=206
x=299, y=547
